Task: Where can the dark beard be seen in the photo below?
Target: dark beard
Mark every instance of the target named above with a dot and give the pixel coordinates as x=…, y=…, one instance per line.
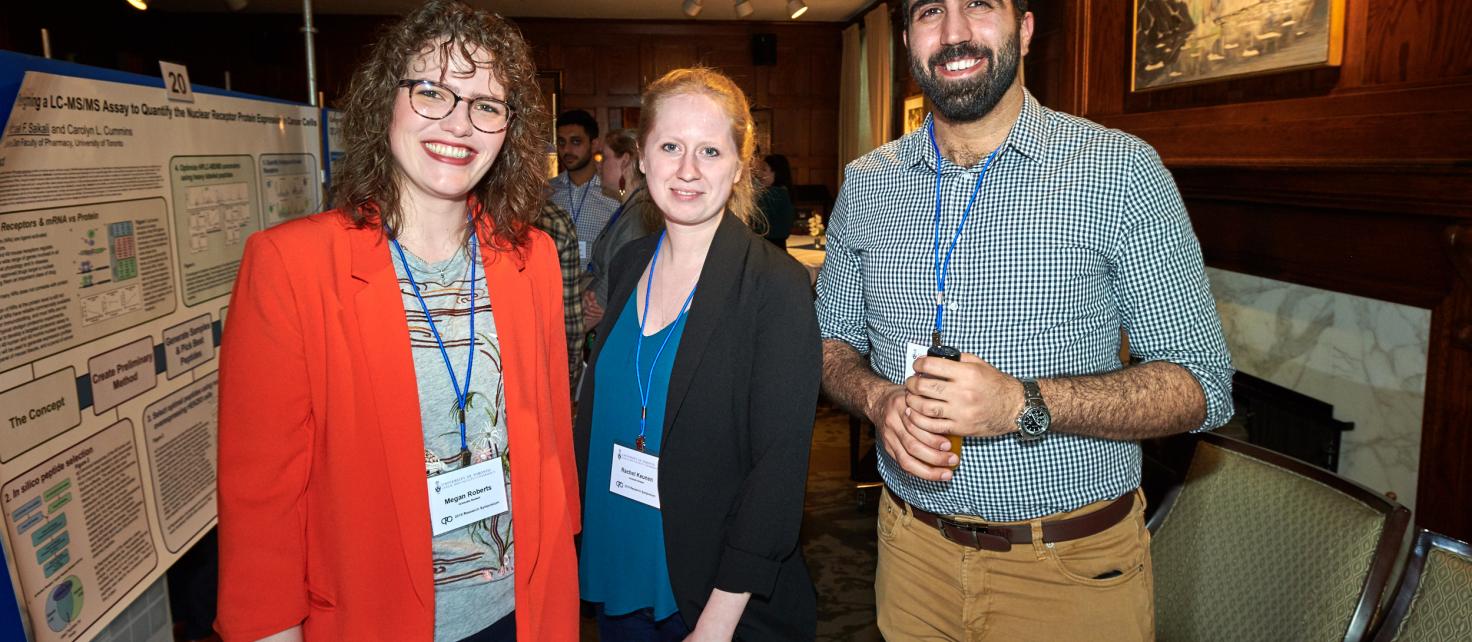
x=968, y=100
x=573, y=168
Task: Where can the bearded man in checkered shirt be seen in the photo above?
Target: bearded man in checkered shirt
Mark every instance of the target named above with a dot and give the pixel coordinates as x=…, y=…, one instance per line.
x=1019, y=241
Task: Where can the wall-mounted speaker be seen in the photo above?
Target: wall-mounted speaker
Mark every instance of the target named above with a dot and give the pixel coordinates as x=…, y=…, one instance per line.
x=764, y=49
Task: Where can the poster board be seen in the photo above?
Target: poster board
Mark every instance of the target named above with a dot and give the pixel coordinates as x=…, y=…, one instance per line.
x=123, y=218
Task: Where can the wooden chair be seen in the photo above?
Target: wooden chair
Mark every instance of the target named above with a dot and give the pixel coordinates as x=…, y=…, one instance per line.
x=1255, y=545
x=1434, y=601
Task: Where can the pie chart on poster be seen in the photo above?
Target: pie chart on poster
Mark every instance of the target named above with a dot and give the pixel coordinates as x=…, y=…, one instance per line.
x=64, y=603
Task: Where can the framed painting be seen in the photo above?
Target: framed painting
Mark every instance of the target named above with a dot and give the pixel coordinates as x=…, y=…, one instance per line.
x=914, y=112
x=1183, y=42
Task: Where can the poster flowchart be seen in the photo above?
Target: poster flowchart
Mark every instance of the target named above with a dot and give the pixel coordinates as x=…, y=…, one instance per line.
x=79, y=516
x=123, y=221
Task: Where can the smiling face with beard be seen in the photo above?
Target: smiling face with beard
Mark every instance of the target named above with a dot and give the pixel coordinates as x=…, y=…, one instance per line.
x=966, y=100
x=959, y=70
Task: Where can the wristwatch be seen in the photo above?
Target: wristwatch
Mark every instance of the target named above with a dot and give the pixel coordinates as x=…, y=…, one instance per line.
x=1034, y=420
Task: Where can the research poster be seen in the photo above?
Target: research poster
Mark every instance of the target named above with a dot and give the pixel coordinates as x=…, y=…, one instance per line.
x=123, y=220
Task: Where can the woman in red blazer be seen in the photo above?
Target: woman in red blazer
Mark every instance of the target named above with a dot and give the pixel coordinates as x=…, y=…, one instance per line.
x=419, y=325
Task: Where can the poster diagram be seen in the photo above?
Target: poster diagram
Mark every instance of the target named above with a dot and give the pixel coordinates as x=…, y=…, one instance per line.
x=333, y=144
x=180, y=437
x=79, y=515
x=50, y=405
x=71, y=274
x=64, y=604
x=214, y=210
x=288, y=186
x=123, y=218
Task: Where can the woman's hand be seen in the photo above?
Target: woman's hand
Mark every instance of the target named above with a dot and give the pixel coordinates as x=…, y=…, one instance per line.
x=293, y=634
x=718, y=621
x=592, y=312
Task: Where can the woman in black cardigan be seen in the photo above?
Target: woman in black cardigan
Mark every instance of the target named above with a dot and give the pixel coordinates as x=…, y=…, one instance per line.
x=695, y=425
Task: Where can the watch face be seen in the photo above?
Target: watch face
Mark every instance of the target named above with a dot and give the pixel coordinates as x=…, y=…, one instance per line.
x=1034, y=421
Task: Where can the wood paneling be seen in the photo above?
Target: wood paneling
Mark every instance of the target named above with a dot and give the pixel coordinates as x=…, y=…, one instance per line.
x=604, y=64
x=1415, y=41
x=1356, y=179
x=801, y=89
x=618, y=67
x=1446, y=443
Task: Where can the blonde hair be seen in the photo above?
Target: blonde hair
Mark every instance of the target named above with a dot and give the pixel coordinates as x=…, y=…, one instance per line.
x=721, y=89
x=624, y=142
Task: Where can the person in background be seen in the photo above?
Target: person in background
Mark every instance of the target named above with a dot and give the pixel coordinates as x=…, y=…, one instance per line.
x=394, y=450
x=557, y=223
x=695, y=424
x=774, y=177
x=578, y=189
x=636, y=216
x=985, y=265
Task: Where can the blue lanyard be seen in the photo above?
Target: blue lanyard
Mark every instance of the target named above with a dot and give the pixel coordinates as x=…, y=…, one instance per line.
x=614, y=219
x=577, y=212
x=941, y=268
x=460, y=397
x=619, y=212
x=639, y=346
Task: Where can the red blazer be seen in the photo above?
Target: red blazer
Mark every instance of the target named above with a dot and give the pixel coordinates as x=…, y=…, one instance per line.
x=324, y=509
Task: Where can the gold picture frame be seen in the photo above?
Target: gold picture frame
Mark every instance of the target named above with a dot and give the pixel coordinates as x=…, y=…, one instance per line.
x=914, y=113
x=550, y=84
x=1186, y=42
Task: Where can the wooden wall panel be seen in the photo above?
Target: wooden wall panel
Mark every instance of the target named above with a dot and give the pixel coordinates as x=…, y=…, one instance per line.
x=1447, y=439
x=801, y=89
x=788, y=80
x=662, y=56
x=579, y=74
x=618, y=70
x=1416, y=41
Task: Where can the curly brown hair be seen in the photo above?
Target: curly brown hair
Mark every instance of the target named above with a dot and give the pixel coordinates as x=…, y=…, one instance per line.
x=366, y=181
x=720, y=88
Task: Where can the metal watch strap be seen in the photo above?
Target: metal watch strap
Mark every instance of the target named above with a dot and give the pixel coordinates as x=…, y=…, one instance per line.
x=1034, y=419
x=1031, y=392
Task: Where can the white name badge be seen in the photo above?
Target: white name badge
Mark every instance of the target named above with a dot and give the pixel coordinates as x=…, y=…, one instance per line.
x=635, y=475
x=466, y=496
x=914, y=351
x=583, y=251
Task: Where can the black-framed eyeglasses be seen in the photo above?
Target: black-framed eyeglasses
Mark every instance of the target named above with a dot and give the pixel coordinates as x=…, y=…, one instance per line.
x=435, y=101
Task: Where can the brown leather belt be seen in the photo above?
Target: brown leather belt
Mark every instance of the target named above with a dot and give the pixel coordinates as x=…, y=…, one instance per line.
x=998, y=537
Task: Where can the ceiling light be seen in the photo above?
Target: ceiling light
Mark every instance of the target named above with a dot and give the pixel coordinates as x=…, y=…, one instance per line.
x=744, y=9
x=796, y=8
x=236, y=5
x=140, y=5
x=691, y=8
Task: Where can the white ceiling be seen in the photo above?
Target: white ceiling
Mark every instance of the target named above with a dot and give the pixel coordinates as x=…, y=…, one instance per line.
x=818, y=10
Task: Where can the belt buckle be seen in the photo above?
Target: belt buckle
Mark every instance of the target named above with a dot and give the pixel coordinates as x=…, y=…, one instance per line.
x=974, y=535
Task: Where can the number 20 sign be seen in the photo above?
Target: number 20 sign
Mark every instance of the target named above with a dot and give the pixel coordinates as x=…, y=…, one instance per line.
x=176, y=82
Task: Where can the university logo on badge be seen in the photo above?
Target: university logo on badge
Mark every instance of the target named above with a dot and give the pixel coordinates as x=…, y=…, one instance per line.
x=436, y=486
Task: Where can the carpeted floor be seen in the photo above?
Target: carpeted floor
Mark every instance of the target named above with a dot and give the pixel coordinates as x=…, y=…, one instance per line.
x=838, y=534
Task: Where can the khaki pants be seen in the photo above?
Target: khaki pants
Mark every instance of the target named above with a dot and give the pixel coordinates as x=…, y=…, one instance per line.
x=929, y=588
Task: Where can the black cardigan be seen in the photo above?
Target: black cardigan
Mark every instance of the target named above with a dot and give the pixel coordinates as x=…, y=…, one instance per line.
x=737, y=430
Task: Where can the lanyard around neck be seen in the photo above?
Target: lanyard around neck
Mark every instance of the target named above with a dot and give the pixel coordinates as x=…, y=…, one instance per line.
x=577, y=210
x=639, y=346
x=460, y=396
x=941, y=268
